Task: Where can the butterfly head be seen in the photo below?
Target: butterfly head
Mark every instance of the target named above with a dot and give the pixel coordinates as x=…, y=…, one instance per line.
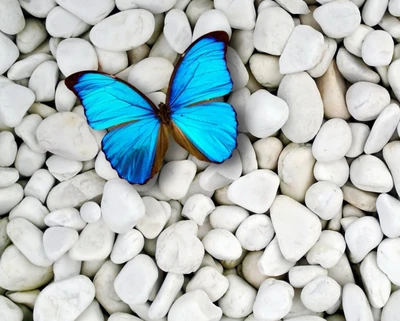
x=164, y=113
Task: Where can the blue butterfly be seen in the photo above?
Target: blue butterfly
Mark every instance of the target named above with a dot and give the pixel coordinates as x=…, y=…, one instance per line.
x=138, y=140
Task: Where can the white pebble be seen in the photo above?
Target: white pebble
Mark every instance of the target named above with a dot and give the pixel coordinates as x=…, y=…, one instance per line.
x=377, y=48
x=359, y=133
x=387, y=207
x=328, y=250
x=31, y=209
x=54, y=301
x=59, y=240
x=67, y=217
x=267, y=152
x=391, y=152
x=39, y=185
x=195, y=304
x=136, y=280
x=272, y=31
x=333, y=141
x=75, y=55
x=355, y=304
x=365, y=201
x=64, y=98
x=10, y=196
x=127, y=246
x=265, y=113
x=15, y=100
x=197, y=207
x=247, y=153
x=11, y=17
x=8, y=53
x=238, y=72
x=9, y=148
x=26, y=130
x=32, y=36
x=305, y=107
x=255, y=191
x=211, y=20
x=241, y=14
x=222, y=245
x=156, y=216
x=302, y=51
x=274, y=300
x=121, y=206
x=91, y=11
x=65, y=268
x=388, y=259
x=336, y=172
x=177, y=30
x=67, y=134
x=63, y=24
x=391, y=310
x=362, y=236
x=63, y=168
x=255, y=232
x=369, y=173
x=95, y=243
x=173, y=245
x=8, y=176
x=9, y=310
x=210, y=281
x=301, y=275
x=296, y=227
x=373, y=11
x=321, y=294
x=238, y=300
x=90, y=212
x=228, y=217
x=338, y=18
x=353, y=43
x=366, y=100
x=27, y=161
x=265, y=69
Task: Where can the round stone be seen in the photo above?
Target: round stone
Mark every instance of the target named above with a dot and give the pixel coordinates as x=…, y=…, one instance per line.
x=377, y=48
x=255, y=232
x=222, y=245
x=127, y=246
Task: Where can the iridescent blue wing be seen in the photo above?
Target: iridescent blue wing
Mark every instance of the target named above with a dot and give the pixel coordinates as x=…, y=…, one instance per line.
x=109, y=101
x=136, y=150
x=137, y=142
x=201, y=73
x=208, y=131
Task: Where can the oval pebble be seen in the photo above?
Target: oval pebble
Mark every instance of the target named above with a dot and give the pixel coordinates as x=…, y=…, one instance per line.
x=336, y=172
x=10, y=196
x=8, y=176
x=33, y=34
x=387, y=207
x=222, y=245
x=377, y=48
x=355, y=303
x=255, y=232
x=211, y=20
x=24, y=68
x=177, y=30
x=12, y=20
x=301, y=275
x=388, y=259
x=58, y=240
x=320, y=294
x=127, y=246
x=123, y=31
x=9, y=310
x=43, y=81
x=8, y=53
x=391, y=309
x=155, y=218
x=63, y=24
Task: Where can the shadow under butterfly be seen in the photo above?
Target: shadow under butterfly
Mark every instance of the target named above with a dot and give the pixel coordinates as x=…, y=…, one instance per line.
x=138, y=140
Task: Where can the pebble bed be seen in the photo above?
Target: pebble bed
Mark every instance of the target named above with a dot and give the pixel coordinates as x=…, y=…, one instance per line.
x=302, y=223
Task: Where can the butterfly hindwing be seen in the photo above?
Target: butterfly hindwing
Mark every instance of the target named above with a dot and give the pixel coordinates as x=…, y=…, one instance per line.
x=108, y=101
x=201, y=73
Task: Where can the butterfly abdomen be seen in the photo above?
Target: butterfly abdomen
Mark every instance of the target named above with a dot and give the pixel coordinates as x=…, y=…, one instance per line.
x=164, y=114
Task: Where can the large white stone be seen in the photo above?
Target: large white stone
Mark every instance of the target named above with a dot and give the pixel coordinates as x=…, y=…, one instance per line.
x=10, y=196
x=355, y=303
x=12, y=19
x=373, y=11
x=391, y=309
x=91, y=11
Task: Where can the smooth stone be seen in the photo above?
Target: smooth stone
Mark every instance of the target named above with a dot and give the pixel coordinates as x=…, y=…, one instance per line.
x=59, y=240
x=255, y=232
x=15, y=100
x=165, y=297
x=39, y=185
x=121, y=206
x=9, y=148
x=92, y=312
x=38, y=8
x=329, y=51
x=67, y=134
x=12, y=19
x=54, y=301
x=177, y=30
x=338, y=18
x=250, y=271
x=255, y=191
x=8, y=176
x=211, y=20
x=247, y=154
x=127, y=246
x=369, y=173
x=387, y=207
x=297, y=228
x=210, y=281
x=31, y=209
x=388, y=259
x=360, y=133
x=336, y=172
x=8, y=53
x=75, y=55
x=27, y=161
x=67, y=217
x=123, y=31
x=173, y=245
x=120, y=316
x=267, y=152
x=301, y=275
x=222, y=245
x=265, y=114
x=354, y=69
x=390, y=154
x=91, y=11
x=328, y=250
x=90, y=212
x=393, y=77
x=325, y=199
x=10, y=196
x=197, y=207
x=272, y=30
x=64, y=98
x=366, y=100
x=32, y=36
x=300, y=128
x=136, y=280
x=238, y=71
x=238, y=300
x=154, y=6
x=9, y=310
x=144, y=73
x=242, y=42
x=265, y=69
x=274, y=300
x=103, y=167
x=295, y=182
x=391, y=309
x=362, y=236
x=333, y=141
x=155, y=218
x=196, y=8
x=376, y=284
x=377, y=48
x=353, y=43
x=95, y=243
x=42, y=110
x=373, y=11
x=26, y=130
x=355, y=304
x=342, y=272
x=24, y=68
x=294, y=7
x=17, y=273
x=228, y=217
x=363, y=200
x=196, y=305
x=241, y=14
x=302, y=51
x=321, y=294
x=63, y=24
x=63, y=168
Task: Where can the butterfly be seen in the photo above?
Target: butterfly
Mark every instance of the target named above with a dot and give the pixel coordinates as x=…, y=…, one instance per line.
x=137, y=140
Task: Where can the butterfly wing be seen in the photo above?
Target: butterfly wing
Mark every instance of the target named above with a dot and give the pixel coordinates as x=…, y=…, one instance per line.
x=207, y=129
x=136, y=147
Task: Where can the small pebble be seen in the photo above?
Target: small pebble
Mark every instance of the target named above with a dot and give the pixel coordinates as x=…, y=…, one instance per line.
x=336, y=172
x=90, y=212
x=255, y=232
x=197, y=207
x=228, y=217
x=377, y=48
x=222, y=245
x=39, y=185
x=67, y=217
x=321, y=294
x=58, y=240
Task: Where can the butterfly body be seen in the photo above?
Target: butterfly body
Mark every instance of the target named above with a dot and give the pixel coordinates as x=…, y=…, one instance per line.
x=138, y=140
